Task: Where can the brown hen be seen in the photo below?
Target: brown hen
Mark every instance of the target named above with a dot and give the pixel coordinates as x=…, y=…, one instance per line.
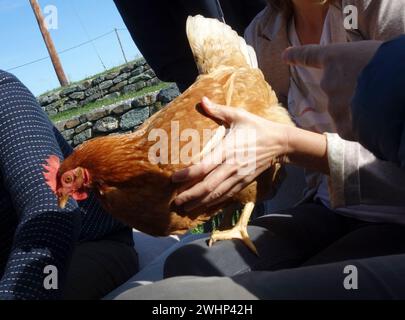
x=140, y=192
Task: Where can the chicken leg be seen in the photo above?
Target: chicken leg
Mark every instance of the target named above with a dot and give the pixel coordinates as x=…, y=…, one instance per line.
x=239, y=231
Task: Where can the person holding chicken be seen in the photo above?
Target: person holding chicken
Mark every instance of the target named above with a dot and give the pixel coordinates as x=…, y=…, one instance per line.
x=366, y=251
x=139, y=192
x=348, y=187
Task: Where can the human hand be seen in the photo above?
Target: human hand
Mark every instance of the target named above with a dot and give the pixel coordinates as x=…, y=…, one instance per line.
x=264, y=142
x=342, y=64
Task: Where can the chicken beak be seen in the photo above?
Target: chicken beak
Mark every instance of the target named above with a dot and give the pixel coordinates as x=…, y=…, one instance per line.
x=62, y=200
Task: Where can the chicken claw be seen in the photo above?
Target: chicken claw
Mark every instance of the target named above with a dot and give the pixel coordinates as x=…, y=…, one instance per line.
x=237, y=232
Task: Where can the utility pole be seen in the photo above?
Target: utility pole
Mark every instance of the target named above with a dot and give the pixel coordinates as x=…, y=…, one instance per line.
x=49, y=43
x=122, y=49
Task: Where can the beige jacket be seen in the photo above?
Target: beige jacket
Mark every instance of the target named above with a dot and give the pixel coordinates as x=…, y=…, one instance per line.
x=357, y=177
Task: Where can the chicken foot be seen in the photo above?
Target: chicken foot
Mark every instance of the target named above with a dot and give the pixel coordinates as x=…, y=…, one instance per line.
x=239, y=231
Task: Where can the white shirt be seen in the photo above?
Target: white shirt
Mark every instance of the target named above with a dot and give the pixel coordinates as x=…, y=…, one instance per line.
x=307, y=104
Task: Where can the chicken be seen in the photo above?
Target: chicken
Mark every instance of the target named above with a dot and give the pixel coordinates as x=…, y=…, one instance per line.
x=139, y=191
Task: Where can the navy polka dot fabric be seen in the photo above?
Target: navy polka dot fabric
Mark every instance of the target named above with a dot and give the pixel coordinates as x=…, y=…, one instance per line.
x=34, y=232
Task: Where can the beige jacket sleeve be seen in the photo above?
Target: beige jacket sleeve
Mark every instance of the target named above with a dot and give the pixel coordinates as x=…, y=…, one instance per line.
x=379, y=19
x=357, y=176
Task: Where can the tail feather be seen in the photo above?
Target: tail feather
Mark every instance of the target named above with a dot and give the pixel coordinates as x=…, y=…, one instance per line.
x=215, y=44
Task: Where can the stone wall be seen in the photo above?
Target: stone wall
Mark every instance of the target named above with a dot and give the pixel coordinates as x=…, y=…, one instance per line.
x=122, y=117
x=130, y=78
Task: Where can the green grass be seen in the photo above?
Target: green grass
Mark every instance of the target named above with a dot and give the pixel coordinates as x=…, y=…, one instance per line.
x=66, y=115
x=117, y=68
x=198, y=230
x=215, y=222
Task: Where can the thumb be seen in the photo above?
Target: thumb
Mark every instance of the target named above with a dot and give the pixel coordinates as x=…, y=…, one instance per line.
x=225, y=114
x=306, y=56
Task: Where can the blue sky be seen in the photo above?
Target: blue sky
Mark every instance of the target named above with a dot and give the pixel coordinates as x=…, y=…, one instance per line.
x=78, y=21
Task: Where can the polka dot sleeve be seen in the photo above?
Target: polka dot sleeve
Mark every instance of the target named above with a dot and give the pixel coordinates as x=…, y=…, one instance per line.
x=42, y=234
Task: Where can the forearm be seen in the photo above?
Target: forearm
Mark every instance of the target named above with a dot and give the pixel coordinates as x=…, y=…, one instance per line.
x=356, y=177
x=307, y=149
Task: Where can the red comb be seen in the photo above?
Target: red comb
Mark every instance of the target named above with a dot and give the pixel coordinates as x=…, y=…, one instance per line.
x=52, y=168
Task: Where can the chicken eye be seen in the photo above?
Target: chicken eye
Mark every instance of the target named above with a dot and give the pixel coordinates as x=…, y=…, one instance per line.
x=68, y=179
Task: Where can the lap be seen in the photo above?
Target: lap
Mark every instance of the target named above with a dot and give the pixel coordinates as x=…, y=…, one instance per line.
x=378, y=278
x=99, y=267
x=189, y=288
x=283, y=240
x=371, y=240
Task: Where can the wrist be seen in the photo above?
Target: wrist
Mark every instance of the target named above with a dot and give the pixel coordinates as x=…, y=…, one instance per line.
x=306, y=149
x=288, y=144
x=281, y=150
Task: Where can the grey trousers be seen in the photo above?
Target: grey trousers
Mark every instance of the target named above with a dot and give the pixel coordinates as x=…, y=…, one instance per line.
x=381, y=278
x=310, y=234
x=303, y=254
x=99, y=267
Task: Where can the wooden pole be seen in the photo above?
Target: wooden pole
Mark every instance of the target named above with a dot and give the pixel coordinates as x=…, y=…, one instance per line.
x=49, y=44
x=122, y=49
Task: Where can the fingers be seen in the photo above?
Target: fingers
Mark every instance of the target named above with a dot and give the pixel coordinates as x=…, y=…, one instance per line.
x=218, y=189
x=232, y=187
x=210, y=163
x=219, y=112
x=211, y=160
x=196, y=172
x=306, y=56
x=201, y=172
x=225, y=191
x=200, y=194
